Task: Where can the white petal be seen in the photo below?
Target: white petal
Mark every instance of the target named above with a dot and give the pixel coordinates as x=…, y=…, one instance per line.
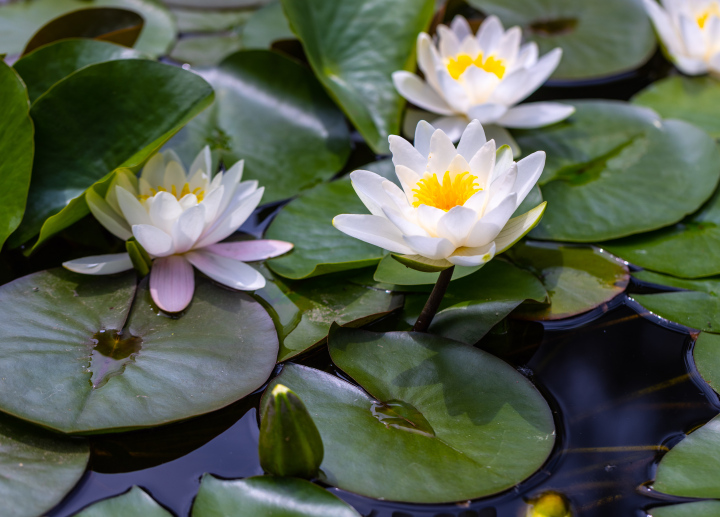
x=106, y=216
x=527, y=56
x=405, y=154
x=172, y=283
x=419, y=93
x=408, y=179
x=528, y=172
x=154, y=171
x=372, y=229
x=227, y=271
x=405, y=226
x=164, y=211
x=155, y=241
x=188, y=227
x=488, y=228
x=489, y=34
x=401, y=201
x=188, y=201
x=430, y=247
x=448, y=42
x=202, y=163
x=535, y=114
x=171, y=156
x=461, y=27
x=517, y=227
x=230, y=222
x=452, y=91
x=473, y=256
x=442, y=152
x=428, y=59
x=428, y=217
x=690, y=66
x=482, y=164
x=502, y=189
x=473, y=138
x=503, y=162
x=480, y=86
x=663, y=25
x=250, y=251
x=369, y=188
x=456, y=224
x=458, y=165
x=230, y=181
x=174, y=175
x=692, y=36
x=132, y=210
x=423, y=134
x=509, y=45
x=476, y=202
x=487, y=113
x=211, y=202
x=520, y=84
x=453, y=127
x=100, y=264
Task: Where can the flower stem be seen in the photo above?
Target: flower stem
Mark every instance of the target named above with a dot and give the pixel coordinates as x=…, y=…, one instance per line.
x=431, y=306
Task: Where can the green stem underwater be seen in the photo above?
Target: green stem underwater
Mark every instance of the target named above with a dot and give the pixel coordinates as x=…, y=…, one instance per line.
x=431, y=306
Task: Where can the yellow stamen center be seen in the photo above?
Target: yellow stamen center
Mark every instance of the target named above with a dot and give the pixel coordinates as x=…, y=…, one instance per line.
x=712, y=10
x=199, y=192
x=447, y=194
x=457, y=65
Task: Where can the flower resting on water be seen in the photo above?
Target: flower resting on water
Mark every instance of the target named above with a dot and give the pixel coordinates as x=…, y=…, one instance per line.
x=481, y=76
x=690, y=33
x=179, y=219
x=454, y=206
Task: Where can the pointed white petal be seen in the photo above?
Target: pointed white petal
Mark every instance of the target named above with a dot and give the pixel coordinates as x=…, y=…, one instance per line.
x=155, y=241
x=488, y=228
x=250, y=251
x=405, y=226
x=520, y=84
x=202, y=163
x=172, y=283
x=482, y=164
x=461, y=27
x=227, y=271
x=228, y=224
x=473, y=256
x=164, y=211
x=453, y=127
x=456, y=224
x=174, y=175
x=428, y=59
x=448, y=42
x=535, y=114
x=442, y=152
x=487, y=113
x=423, y=134
x=369, y=188
x=529, y=171
x=187, y=228
x=473, y=138
x=518, y=227
x=430, y=247
x=100, y=264
x=106, y=216
x=419, y=93
x=132, y=210
x=489, y=34
x=372, y=229
x=509, y=45
x=405, y=154
x=154, y=171
x=428, y=217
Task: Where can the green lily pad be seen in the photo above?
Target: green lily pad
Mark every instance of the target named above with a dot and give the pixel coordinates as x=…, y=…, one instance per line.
x=692, y=99
x=469, y=424
x=582, y=29
x=46, y=66
x=105, y=364
x=20, y=20
x=577, y=278
x=390, y=271
x=76, y=146
x=267, y=495
x=472, y=307
x=697, y=306
x=692, y=467
x=291, y=137
x=304, y=310
x=135, y=502
x=615, y=170
x=16, y=148
x=37, y=467
x=360, y=45
x=266, y=26
x=216, y=4
x=206, y=50
x=706, y=353
x=697, y=509
x=202, y=20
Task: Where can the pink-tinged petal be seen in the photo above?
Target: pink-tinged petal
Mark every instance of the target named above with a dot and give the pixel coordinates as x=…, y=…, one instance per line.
x=100, y=264
x=155, y=241
x=172, y=283
x=227, y=271
x=250, y=251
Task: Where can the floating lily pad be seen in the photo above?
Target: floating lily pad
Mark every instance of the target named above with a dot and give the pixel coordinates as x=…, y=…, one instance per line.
x=471, y=307
x=697, y=509
x=75, y=357
x=266, y=26
x=20, y=20
x=76, y=146
x=692, y=467
x=291, y=137
x=615, y=170
x=304, y=310
x=706, y=353
x=697, y=306
x=577, y=278
x=360, y=45
x=390, y=271
x=47, y=65
x=206, y=50
x=598, y=37
x=203, y=20
x=16, y=148
x=692, y=99
x=267, y=495
x=135, y=502
x=216, y=4
x=37, y=468
x=468, y=423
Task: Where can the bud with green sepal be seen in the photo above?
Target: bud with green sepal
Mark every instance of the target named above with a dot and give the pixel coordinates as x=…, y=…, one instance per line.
x=140, y=258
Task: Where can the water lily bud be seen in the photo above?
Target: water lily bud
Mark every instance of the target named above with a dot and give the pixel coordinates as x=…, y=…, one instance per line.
x=140, y=259
x=290, y=444
x=549, y=504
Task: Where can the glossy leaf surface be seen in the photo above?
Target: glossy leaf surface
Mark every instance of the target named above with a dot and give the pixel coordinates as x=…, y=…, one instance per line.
x=135, y=502
x=697, y=509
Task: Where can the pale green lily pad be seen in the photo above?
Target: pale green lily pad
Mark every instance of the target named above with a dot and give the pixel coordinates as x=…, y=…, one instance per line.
x=16, y=148
x=473, y=306
x=37, y=467
x=706, y=353
x=697, y=306
x=266, y=26
x=692, y=99
x=468, y=423
x=304, y=310
x=291, y=137
x=135, y=502
x=697, y=509
x=598, y=37
x=20, y=20
x=354, y=47
x=203, y=20
x=206, y=50
x=577, y=278
x=692, y=467
x=390, y=271
x=615, y=169
x=69, y=370
x=267, y=495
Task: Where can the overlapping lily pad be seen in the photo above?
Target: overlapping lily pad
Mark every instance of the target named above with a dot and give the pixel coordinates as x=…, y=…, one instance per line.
x=468, y=423
x=697, y=509
x=37, y=468
x=135, y=502
x=271, y=112
x=390, y=271
x=206, y=50
x=267, y=495
x=577, y=278
x=78, y=356
x=615, y=170
x=471, y=307
x=693, y=99
x=360, y=44
x=706, y=353
x=598, y=37
x=16, y=148
x=266, y=26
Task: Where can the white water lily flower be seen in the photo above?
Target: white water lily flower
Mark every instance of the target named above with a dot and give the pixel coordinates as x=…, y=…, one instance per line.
x=690, y=32
x=481, y=76
x=455, y=205
x=179, y=219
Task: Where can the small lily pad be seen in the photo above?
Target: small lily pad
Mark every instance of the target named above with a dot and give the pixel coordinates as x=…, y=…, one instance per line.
x=697, y=509
x=615, y=170
x=78, y=355
x=267, y=495
x=468, y=423
x=206, y=49
x=577, y=278
x=267, y=25
x=135, y=502
x=706, y=353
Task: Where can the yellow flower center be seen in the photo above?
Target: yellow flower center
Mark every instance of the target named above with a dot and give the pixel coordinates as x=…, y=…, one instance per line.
x=712, y=10
x=447, y=194
x=457, y=65
x=199, y=192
